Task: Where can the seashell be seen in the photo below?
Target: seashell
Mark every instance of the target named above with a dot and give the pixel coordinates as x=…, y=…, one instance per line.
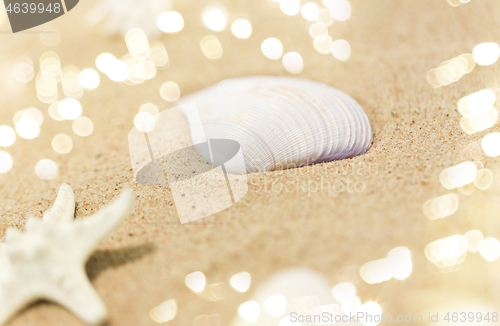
x=281, y=122
x=297, y=291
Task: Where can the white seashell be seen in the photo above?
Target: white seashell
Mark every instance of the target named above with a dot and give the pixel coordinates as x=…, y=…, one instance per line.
x=292, y=292
x=281, y=122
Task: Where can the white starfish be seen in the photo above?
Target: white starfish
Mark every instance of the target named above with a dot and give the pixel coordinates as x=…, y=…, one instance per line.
x=48, y=260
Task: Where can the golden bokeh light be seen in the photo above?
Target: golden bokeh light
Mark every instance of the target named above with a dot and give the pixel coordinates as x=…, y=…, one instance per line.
x=159, y=55
x=290, y=7
x=310, y=11
x=29, y=113
x=482, y=120
x=458, y=175
x=214, y=292
x=62, y=144
x=241, y=28
x=323, y=46
x=491, y=144
x=71, y=85
x=476, y=102
x=351, y=307
x=275, y=305
x=46, y=92
x=145, y=69
x=340, y=9
x=484, y=179
x=207, y=320
x=118, y=71
x=249, y=311
x=150, y=108
x=104, y=61
x=27, y=128
x=215, y=18
x=196, y=281
x=341, y=49
x=400, y=262
x=7, y=136
x=467, y=189
x=474, y=239
x=47, y=55
x=82, y=126
x=454, y=3
x=47, y=169
x=241, y=281
x=451, y=70
x=170, y=22
x=440, y=207
x=164, y=312
x=89, y=79
x=115, y=69
x=466, y=127
x=50, y=66
x=325, y=17
x=54, y=111
x=23, y=69
x=471, y=63
x=489, y=249
x=396, y=265
x=170, y=91
x=144, y=121
x=211, y=47
x=448, y=252
x=132, y=64
x=49, y=76
x=293, y=62
x=272, y=48
x=368, y=311
x=318, y=31
x=69, y=109
x=344, y=292
x=138, y=44
x=486, y=54
x=5, y=162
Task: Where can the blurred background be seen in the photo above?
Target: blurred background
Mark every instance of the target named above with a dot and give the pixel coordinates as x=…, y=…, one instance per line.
x=421, y=236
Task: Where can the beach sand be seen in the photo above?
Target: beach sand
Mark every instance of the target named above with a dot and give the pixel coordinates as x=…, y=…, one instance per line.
x=334, y=232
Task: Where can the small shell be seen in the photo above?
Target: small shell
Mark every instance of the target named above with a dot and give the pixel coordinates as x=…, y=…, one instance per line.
x=282, y=122
x=298, y=290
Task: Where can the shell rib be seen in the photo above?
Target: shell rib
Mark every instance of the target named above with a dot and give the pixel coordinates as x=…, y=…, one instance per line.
x=282, y=122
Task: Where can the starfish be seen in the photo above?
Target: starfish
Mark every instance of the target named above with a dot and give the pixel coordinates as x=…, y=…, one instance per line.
x=48, y=260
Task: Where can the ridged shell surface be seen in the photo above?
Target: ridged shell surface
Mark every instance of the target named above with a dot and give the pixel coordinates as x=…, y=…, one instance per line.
x=283, y=122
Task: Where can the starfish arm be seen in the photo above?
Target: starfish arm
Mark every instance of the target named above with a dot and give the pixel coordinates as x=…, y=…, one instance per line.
x=64, y=206
x=10, y=304
x=79, y=296
x=94, y=229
